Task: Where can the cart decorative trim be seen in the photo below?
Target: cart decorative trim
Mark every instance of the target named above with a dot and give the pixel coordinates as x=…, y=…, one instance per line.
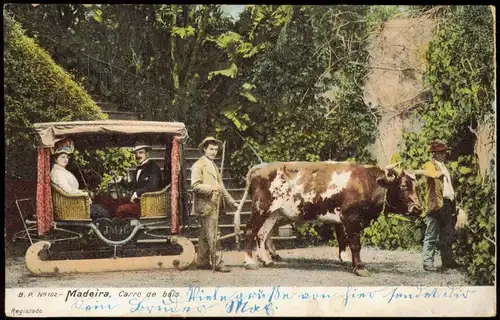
x=51, y=132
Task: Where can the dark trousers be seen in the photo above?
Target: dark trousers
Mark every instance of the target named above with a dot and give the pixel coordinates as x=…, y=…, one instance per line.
x=99, y=211
x=439, y=227
x=129, y=210
x=121, y=207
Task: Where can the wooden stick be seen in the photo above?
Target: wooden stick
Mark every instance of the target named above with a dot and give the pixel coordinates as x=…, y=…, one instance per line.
x=216, y=197
x=230, y=235
x=222, y=161
x=213, y=254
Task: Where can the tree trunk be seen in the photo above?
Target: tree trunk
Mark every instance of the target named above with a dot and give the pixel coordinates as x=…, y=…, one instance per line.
x=175, y=68
x=197, y=45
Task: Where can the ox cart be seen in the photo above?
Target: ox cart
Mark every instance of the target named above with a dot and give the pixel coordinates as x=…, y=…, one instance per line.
x=64, y=237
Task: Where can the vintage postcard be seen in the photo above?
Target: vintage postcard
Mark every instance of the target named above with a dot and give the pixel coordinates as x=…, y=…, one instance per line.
x=249, y=160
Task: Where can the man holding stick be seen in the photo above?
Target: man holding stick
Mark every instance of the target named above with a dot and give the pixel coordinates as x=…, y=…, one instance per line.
x=208, y=187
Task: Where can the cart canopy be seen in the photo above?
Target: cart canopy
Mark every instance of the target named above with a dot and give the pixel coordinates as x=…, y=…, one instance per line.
x=113, y=131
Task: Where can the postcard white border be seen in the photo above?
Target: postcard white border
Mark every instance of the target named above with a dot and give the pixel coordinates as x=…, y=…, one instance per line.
x=251, y=301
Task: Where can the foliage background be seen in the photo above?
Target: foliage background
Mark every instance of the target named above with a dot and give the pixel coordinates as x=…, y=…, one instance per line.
x=35, y=90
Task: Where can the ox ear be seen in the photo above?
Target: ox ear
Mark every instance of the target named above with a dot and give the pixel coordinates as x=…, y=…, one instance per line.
x=385, y=182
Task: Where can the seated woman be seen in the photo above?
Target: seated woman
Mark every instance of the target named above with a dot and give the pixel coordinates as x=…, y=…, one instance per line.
x=65, y=180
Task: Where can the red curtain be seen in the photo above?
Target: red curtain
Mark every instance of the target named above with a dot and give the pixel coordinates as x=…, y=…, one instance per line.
x=175, y=185
x=44, y=216
x=167, y=167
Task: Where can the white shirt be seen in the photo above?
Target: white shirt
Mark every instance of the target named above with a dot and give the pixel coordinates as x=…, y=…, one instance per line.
x=448, y=191
x=134, y=195
x=140, y=170
x=65, y=180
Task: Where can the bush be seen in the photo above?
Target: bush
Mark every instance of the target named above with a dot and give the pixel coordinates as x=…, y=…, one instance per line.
x=36, y=90
x=393, y=232
x=306, y=232
x=389, y=232
x=102, y=166
x=475, y=246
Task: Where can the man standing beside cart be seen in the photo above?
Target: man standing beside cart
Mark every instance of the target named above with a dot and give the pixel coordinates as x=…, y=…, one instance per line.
x=208, y=187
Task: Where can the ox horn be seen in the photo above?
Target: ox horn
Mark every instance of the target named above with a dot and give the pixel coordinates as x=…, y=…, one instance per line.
x=390, y=174
x=419, y=173
x=390, y=169
x=411, y=174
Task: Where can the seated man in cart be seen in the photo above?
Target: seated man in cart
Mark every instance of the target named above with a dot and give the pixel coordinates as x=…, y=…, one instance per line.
x=65, y=180
x=148, y=178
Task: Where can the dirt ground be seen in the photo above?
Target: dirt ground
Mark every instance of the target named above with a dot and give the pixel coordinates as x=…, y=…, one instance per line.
x=317, y=266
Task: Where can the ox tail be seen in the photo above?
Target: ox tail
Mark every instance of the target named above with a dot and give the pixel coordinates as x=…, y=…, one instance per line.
x=237, y=214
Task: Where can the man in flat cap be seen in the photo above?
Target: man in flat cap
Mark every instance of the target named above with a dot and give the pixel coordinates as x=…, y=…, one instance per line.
x=440, y=212
x=148, y=178
x=208, y=187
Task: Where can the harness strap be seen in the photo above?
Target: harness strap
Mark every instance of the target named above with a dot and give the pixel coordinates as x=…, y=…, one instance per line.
x=384, y=207
x=384, y=211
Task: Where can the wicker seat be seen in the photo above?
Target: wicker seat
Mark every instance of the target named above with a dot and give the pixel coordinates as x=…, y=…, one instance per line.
x=155, y=204
x=73, y=207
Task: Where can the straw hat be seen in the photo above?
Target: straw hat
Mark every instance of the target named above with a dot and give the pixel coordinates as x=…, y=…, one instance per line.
x=64, y=146
x=140, y=145
x=438, y=145
x=209, y=139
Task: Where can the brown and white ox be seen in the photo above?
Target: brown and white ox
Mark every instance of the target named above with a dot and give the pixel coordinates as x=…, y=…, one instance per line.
x=346, y=194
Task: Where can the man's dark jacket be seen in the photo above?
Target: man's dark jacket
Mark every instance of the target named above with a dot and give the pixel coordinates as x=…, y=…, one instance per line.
x=151, y=178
